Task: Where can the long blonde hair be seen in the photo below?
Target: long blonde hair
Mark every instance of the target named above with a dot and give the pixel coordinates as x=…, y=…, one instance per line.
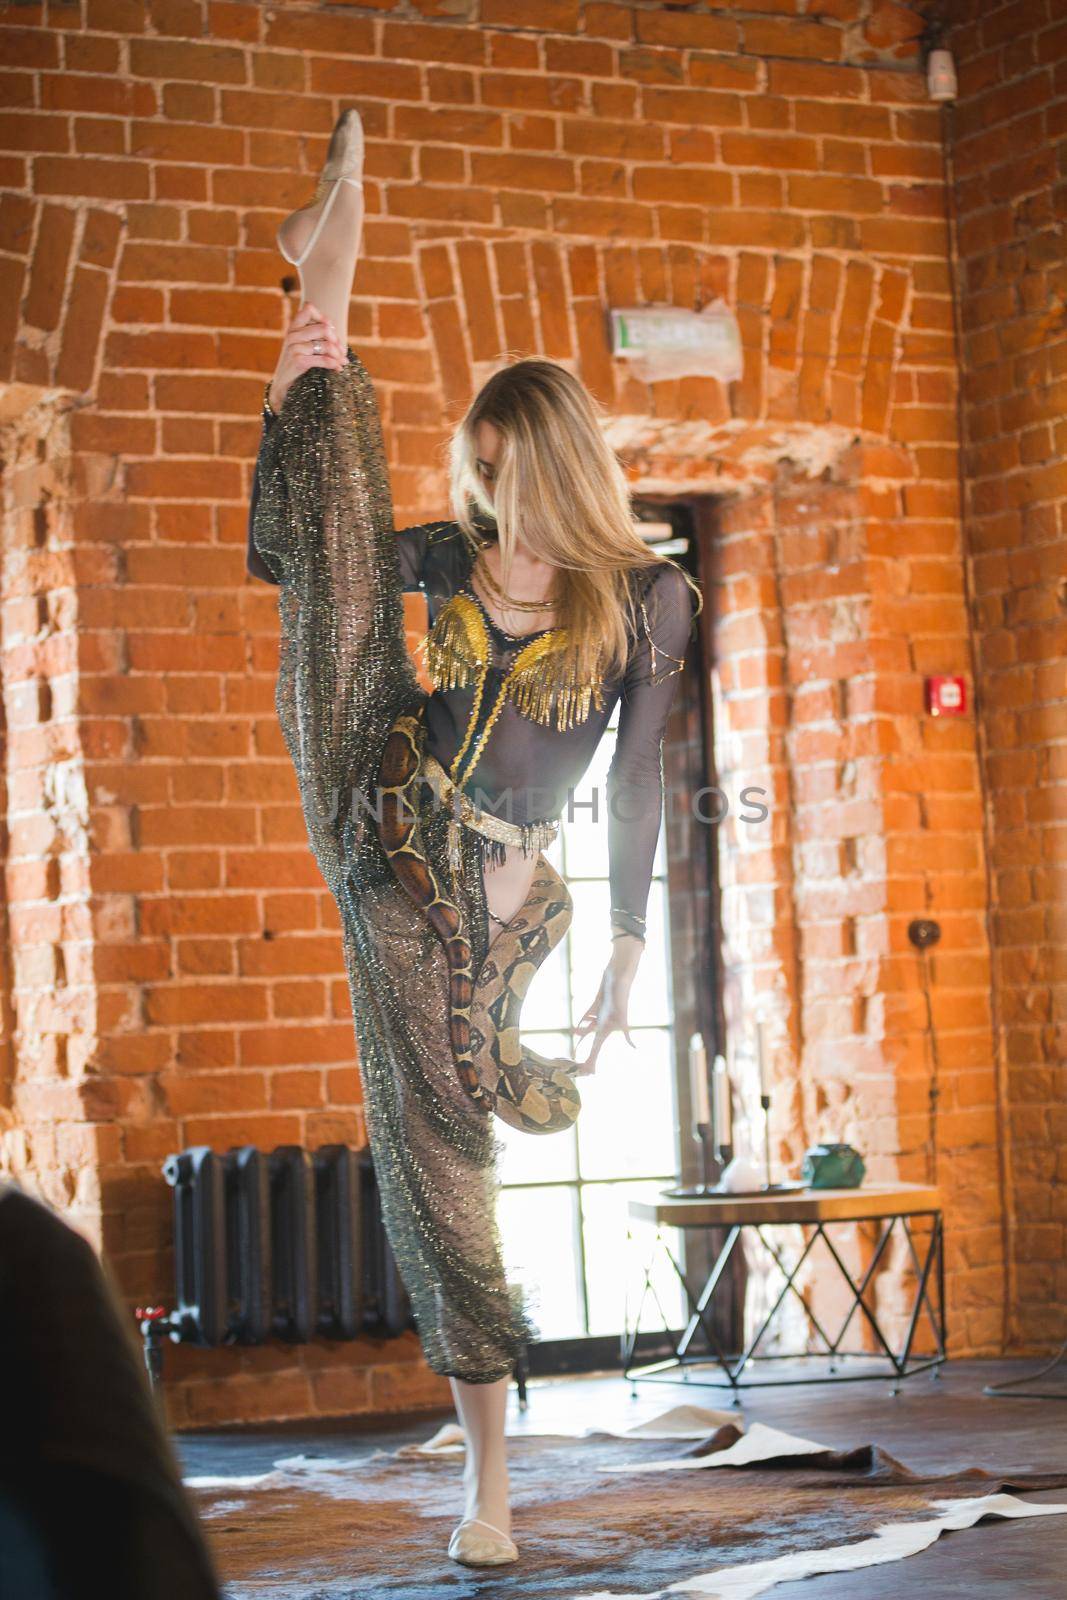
x=559, y=483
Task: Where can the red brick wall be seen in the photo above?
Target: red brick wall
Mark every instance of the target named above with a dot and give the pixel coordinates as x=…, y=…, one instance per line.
x=528, y=165
x=55, y=1121
x=1009, y=147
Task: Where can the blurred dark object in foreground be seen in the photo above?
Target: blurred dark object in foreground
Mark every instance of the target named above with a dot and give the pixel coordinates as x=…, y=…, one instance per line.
x=91, y=1499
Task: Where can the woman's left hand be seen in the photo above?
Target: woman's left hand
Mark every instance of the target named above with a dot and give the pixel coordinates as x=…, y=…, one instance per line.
x=609, y=1010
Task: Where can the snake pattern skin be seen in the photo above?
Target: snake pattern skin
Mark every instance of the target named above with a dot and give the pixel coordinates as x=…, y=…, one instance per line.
x=523, y=1088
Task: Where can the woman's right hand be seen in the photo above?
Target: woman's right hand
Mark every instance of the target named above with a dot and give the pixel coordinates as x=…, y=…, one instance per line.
x=308, y=328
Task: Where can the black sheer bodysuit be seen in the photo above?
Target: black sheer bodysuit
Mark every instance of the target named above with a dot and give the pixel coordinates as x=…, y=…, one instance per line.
x=526, y=771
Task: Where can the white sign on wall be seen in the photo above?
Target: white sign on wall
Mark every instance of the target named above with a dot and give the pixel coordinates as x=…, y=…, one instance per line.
x=669, y=342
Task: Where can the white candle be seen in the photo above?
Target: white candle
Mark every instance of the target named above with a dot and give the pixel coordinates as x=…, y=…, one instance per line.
x=720, y=1081
x=762, y=1061
x=698, y=1079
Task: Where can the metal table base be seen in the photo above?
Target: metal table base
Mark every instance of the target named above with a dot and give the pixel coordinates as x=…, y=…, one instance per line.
x=926, y=1252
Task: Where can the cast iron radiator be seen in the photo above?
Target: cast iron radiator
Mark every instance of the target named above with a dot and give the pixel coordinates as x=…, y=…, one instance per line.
x=287, y=1245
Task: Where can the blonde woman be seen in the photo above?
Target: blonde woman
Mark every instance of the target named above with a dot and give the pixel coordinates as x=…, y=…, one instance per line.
x=428, y=813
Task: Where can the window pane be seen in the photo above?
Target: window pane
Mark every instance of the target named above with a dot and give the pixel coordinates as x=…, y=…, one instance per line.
x=650, y=997
x=590, y=941
x=624, y=1140
x=590, y=952
x=539, y=1228
x=585, y=823
x=659, y=860
x=627, y=1120
x=615, y=1270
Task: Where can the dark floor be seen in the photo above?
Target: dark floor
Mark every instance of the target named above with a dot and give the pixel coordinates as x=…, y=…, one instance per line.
x=934, y=1424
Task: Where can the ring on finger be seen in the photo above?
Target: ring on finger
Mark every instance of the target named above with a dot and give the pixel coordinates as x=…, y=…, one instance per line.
x=317, y=347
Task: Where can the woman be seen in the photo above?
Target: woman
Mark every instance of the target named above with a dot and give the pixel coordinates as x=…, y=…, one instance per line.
x=427, y=813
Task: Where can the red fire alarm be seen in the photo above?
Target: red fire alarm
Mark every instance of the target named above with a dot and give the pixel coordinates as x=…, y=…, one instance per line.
x=946, y=697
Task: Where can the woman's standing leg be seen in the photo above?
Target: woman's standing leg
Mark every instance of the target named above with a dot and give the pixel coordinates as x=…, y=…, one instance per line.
x=482, y=1407
x=482, y=1411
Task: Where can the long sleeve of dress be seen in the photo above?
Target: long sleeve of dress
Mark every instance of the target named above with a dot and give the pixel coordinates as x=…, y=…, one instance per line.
x=634, y=787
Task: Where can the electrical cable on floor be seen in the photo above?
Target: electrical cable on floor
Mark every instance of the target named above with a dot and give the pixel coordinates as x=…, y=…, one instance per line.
x=997, y=1390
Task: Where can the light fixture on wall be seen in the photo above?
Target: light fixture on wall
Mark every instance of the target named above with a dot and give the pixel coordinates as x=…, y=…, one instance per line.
x=940, y=68
x=941, y=75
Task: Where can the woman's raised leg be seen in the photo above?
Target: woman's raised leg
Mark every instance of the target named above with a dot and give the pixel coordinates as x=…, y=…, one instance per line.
x=324, y=525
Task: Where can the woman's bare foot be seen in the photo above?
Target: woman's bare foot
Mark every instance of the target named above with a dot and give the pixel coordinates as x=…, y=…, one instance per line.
x=322, y=240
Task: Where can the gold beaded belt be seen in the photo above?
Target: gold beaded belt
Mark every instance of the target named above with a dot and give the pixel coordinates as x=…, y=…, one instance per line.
x=525, y=835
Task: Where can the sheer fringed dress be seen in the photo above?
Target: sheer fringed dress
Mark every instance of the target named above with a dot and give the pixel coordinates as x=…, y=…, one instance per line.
x=322, y=529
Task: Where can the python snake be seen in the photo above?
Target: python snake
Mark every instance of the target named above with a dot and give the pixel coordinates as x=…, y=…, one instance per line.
x=526, y=1090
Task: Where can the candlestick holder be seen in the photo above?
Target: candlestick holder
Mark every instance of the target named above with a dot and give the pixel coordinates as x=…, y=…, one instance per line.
x=767, y=1187
x=709, y=1161
x=704, y=1131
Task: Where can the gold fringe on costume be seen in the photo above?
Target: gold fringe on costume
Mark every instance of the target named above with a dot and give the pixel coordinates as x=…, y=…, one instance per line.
x=457, y=646
x=458, y=652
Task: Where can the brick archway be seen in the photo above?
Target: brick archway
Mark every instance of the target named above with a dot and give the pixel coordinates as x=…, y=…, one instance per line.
x=58, y=268
x=820, y=335
x=57, y=278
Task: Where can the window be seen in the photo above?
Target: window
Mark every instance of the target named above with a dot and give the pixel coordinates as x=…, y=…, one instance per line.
x=563, y=1211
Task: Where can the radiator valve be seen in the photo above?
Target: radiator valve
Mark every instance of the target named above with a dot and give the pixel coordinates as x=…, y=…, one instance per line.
x=156, y=1325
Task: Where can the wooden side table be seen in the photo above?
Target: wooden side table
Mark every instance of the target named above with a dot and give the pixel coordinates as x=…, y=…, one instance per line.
x=895, y=1208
